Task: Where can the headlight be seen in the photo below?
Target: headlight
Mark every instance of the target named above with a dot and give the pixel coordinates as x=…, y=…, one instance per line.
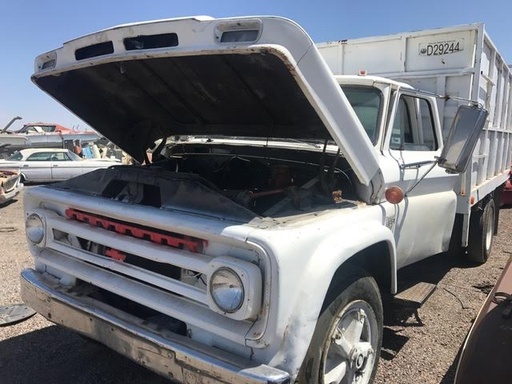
x=34, y=228
x=227, y=290
x=235, y=287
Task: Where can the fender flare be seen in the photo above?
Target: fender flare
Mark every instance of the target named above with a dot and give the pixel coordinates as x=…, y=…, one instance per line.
x=314, y=284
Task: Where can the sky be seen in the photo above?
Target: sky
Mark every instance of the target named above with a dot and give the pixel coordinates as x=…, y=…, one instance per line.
x=32, y=27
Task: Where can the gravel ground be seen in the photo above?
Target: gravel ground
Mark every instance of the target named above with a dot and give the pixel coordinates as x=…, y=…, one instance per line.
x=416, y=349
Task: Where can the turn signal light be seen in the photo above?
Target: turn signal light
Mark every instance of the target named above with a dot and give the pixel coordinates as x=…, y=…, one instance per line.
x=394, y=195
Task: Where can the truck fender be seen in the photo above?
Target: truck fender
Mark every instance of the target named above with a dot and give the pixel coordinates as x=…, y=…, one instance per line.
x=307, y=303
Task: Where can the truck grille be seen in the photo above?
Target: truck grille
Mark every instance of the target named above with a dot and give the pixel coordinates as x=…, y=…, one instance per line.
x=162, y=270
x=169, y=239
x=158, y=237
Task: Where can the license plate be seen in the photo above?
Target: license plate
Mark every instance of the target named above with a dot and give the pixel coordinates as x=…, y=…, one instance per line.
x=441, y=48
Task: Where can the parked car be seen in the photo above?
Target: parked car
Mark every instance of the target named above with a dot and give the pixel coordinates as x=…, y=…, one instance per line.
x=40, y=135
x=38, y=165
x=10, y=185
x=506, y=195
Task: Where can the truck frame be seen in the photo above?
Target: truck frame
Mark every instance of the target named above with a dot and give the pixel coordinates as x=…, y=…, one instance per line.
x=274, y=203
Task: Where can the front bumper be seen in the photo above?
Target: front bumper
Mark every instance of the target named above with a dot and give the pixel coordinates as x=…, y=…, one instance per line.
x=173, y=356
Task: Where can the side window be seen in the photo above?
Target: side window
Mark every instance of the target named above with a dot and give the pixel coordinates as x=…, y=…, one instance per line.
x=401, y=132
x=15, y=156
x=60, y=156
x=427, y=135
x=41, y=156
x=413, y=127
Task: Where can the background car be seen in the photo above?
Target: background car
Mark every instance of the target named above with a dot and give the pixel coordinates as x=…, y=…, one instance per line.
x=506, y=195
x=10, y=184
x=39, y=165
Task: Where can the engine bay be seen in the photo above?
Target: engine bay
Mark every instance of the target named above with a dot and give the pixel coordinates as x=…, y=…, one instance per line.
x=236, y=180
x=266, y=180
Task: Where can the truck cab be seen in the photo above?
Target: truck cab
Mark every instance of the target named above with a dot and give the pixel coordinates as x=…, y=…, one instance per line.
x=404, y=126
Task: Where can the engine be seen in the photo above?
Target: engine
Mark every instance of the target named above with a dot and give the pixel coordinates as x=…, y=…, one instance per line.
x=267, y=181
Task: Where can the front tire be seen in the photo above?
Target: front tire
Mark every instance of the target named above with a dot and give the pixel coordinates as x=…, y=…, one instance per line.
x=346, y=344
x=481, y=233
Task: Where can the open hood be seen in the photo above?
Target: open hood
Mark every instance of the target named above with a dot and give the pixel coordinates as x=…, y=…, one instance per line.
x=243, y=77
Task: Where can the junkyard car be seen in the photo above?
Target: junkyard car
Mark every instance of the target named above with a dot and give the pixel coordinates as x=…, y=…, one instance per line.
x=40, y=135
x=506, y=195
x=10, y=185
x=51, y=164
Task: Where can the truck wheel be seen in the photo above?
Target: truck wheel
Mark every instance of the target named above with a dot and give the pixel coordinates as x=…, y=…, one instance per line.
x=346, y=344
x=481, y=233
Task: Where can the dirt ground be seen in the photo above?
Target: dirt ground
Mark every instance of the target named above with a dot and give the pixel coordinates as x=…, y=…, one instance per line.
x=420, y=349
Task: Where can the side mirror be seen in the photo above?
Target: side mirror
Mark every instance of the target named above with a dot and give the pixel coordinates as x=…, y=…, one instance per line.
x=464, y=132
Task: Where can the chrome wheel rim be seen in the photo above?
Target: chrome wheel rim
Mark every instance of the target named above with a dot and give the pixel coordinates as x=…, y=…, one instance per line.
x=490, y=230
x=349, y=352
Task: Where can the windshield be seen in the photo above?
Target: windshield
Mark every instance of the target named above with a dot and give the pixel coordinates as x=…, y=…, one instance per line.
x=15, y=156
x=74, y=156
x=366, y=102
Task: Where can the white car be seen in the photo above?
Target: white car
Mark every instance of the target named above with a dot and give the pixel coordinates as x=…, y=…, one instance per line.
x=39, y=165
x=10, y=184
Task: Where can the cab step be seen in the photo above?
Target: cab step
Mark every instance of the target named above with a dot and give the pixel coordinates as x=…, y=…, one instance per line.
x=414, y=297
x=417, y=294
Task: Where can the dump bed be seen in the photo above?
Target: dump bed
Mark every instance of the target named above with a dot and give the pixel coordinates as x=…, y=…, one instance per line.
x=459, y=61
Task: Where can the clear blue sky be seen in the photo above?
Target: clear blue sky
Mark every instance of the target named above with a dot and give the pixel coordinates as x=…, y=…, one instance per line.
x=32, y=27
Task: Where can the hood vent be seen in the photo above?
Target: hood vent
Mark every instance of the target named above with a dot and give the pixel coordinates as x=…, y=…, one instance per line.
x=240, y=36
x=162, y=40
x=95, y=50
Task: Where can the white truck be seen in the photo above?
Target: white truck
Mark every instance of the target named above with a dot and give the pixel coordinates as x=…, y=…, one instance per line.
x=278, y=202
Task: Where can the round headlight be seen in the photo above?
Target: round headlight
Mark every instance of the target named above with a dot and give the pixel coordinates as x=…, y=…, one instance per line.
x=227, y=290
x=34, y=228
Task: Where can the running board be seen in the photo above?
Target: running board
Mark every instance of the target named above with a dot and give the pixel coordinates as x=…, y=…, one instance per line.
x=417, y=294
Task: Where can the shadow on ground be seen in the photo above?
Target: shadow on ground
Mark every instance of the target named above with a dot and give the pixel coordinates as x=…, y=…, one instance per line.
x=56, y=355
x=396, y=313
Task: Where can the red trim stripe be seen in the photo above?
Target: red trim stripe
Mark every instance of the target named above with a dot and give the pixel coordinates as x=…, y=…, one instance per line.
x=172, y=240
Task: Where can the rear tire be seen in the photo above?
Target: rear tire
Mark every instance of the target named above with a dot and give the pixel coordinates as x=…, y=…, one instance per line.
x=346, y=344
x=482, y=227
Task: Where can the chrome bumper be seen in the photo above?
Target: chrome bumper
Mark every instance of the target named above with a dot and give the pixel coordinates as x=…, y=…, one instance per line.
x=173, y=356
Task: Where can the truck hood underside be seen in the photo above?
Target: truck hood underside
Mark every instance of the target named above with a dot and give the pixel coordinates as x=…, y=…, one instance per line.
x=134, y=103
x=277, y=86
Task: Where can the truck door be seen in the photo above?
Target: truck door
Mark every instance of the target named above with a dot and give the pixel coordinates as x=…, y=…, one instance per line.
x=423, y=221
